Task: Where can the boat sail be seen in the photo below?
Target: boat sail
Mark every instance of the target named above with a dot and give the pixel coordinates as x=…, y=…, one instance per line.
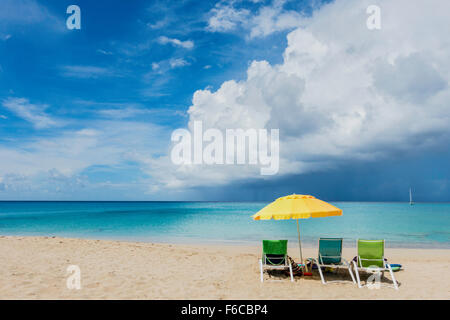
x=410, y=197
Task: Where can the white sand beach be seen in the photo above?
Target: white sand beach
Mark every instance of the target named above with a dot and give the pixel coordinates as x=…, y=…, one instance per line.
x=36, y=268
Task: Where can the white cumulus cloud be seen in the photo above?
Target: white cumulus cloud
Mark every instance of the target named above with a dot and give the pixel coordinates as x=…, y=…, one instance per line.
x=226, y=16
x=188, y=44
x=342, y=92
x=178, y=62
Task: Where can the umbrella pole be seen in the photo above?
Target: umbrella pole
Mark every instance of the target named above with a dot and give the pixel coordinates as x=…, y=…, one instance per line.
x=299, y=243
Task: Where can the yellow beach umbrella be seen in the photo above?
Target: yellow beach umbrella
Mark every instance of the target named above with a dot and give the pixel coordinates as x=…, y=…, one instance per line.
x=297, y=206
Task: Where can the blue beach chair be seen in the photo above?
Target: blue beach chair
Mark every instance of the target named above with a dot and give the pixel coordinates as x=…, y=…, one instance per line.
x=330, y=256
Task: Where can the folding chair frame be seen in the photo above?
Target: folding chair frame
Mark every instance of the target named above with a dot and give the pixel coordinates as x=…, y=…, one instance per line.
x=343, y=264
x=264, y=266
x=387, y=266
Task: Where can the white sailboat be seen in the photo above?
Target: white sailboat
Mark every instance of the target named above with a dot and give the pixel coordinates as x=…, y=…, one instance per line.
x=410, y=197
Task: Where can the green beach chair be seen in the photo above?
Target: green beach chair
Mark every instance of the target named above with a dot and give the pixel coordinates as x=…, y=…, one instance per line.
x=371, y=259
x=275, y=257
x=330, y=256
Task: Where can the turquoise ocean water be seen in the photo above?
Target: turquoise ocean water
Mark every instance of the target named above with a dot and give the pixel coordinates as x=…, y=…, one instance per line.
x=402, y=225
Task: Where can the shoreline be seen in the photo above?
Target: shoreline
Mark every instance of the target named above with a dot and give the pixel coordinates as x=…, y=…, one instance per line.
x=292, y=243
x=36, y=268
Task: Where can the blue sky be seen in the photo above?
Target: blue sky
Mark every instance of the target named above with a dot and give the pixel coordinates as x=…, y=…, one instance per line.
x=88, y=114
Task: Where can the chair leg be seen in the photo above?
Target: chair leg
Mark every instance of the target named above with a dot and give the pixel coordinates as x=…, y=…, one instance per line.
x=350, y=271
x=261, y=270
x=290, y=270
x=357, y=274
x=392, y=275
x=320, y=272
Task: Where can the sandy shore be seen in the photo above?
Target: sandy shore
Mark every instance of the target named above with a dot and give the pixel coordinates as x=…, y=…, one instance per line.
x=35, y=268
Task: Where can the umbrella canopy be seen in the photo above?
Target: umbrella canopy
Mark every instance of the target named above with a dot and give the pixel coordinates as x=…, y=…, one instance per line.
x=297, y=206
